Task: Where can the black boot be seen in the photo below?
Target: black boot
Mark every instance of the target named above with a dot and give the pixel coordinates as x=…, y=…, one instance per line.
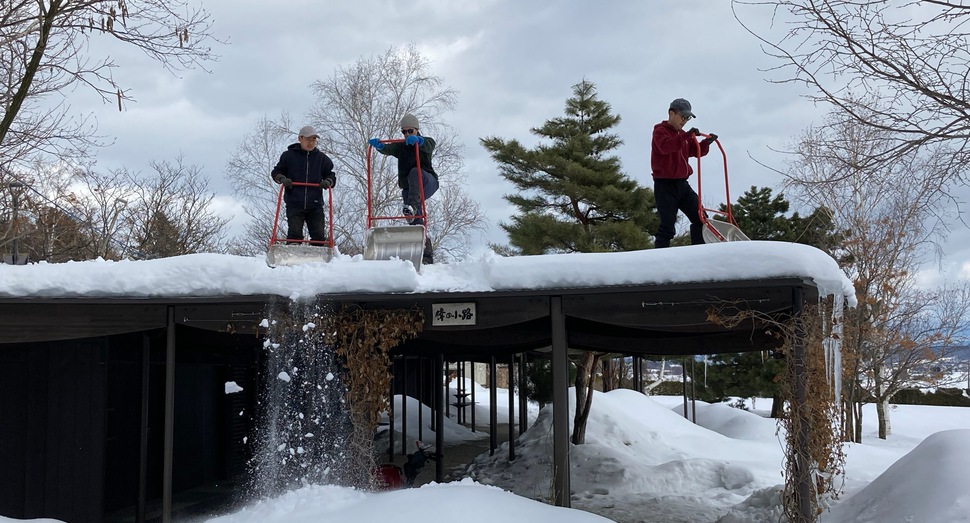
x=428, y=257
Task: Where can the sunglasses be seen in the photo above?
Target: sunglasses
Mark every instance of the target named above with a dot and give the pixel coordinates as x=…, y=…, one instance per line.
x=408, y=131
x=686, y=118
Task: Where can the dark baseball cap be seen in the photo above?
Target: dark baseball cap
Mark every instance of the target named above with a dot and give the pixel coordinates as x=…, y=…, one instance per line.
x=682, y=107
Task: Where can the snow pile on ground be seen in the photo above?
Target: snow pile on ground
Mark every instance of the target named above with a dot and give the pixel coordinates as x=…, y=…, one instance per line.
x=642, y=457
x=927, y=485
x=463, y=501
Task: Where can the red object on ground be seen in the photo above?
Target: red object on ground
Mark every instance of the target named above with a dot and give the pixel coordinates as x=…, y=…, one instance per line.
x=389, y=477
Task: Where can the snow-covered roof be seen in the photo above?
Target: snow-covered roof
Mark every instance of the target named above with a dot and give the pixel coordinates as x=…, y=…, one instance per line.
x=215, y=275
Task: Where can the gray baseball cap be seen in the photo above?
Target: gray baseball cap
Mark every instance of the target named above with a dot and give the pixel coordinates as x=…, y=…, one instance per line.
x=309, y=132
x=682, y=107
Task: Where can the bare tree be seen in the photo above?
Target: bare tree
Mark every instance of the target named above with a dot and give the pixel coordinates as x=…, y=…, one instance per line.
x=51, y=226
x=45, y=50
x=911, y=56
x=171, y=214
x=367, y=100
x=362, y=101
x=74, y=212
x=249, y=170
x=105, y=198
x=892, y=220
x=916, y=347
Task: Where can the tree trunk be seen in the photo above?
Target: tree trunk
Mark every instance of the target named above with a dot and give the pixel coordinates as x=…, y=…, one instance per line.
x=609, y=375
x=852, y=411
x=584, y=395
x=23, y=89
x=858, y=422
x=882, y=412
x=777, y=406
x=620, y=372
x=882, y=401
x=660, y=377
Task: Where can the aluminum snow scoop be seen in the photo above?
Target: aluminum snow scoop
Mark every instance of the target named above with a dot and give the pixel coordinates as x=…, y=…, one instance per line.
x=718, y=231
x=284, y=252
x=405, y=242
x=715, y=231
x=283, y=255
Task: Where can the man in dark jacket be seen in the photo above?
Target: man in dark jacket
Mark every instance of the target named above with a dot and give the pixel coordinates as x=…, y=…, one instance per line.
x=408, y=174
x=407, y=165
x=303, y=163
x=672, y=148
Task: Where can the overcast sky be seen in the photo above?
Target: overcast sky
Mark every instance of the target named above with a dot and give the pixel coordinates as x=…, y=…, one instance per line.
x=512, y=63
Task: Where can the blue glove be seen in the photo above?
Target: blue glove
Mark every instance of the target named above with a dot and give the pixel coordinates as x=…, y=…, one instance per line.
x=375, y=143
x=414, y=139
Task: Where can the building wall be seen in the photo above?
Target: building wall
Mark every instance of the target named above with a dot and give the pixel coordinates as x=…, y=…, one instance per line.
x=71, y=421
x=52, y=413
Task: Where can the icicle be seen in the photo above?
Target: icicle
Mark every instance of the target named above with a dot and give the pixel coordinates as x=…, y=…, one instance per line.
x=832, y=343
x=705, y=371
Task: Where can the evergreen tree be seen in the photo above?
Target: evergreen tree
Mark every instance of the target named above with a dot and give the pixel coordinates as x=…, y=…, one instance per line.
x=161, y=239
x=571, y=194
x=762, y=217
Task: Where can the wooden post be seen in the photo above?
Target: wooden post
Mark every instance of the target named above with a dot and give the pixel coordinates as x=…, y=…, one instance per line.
x=146, y=346
x=169, y=430
x=560, y=405
x=511, y=419
x=803, y=479
x=492, y=412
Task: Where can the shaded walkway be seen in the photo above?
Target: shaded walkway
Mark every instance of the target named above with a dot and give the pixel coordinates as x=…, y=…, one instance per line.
x=457, y=456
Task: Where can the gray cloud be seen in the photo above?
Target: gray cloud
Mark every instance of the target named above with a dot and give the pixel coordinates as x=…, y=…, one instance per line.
x=513, y=63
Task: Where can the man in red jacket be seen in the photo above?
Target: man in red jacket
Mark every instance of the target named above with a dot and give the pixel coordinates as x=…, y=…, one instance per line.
x=672, y=148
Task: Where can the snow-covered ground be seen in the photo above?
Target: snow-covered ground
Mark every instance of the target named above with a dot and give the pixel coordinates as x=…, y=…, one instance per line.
x=643, y=462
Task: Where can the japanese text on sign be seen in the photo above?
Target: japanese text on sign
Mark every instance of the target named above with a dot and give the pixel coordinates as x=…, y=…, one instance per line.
x=453, y=314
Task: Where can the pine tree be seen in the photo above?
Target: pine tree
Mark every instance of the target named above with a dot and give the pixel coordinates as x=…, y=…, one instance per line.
x=571, y=194
x=762, y=217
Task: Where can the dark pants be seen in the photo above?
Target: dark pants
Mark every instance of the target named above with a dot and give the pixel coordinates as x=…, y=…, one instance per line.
x=412, y=194
x=314, y=219
x=671, y=196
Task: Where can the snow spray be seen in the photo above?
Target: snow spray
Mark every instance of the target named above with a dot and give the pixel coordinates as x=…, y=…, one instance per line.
x=304, y=424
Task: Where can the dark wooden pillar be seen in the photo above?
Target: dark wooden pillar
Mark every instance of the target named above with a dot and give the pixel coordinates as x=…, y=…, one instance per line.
x=169, y=436
x=560, y=405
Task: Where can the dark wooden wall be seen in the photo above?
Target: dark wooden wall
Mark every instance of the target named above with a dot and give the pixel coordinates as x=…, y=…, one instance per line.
x=52, y=413
x=71, y=418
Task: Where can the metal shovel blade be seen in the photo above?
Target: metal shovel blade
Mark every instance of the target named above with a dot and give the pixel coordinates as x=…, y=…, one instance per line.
x=405, y=242
x=286, y=255
x=717, y=231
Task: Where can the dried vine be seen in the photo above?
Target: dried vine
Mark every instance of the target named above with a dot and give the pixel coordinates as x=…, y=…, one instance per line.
x=364, y=339
x=819, y=414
